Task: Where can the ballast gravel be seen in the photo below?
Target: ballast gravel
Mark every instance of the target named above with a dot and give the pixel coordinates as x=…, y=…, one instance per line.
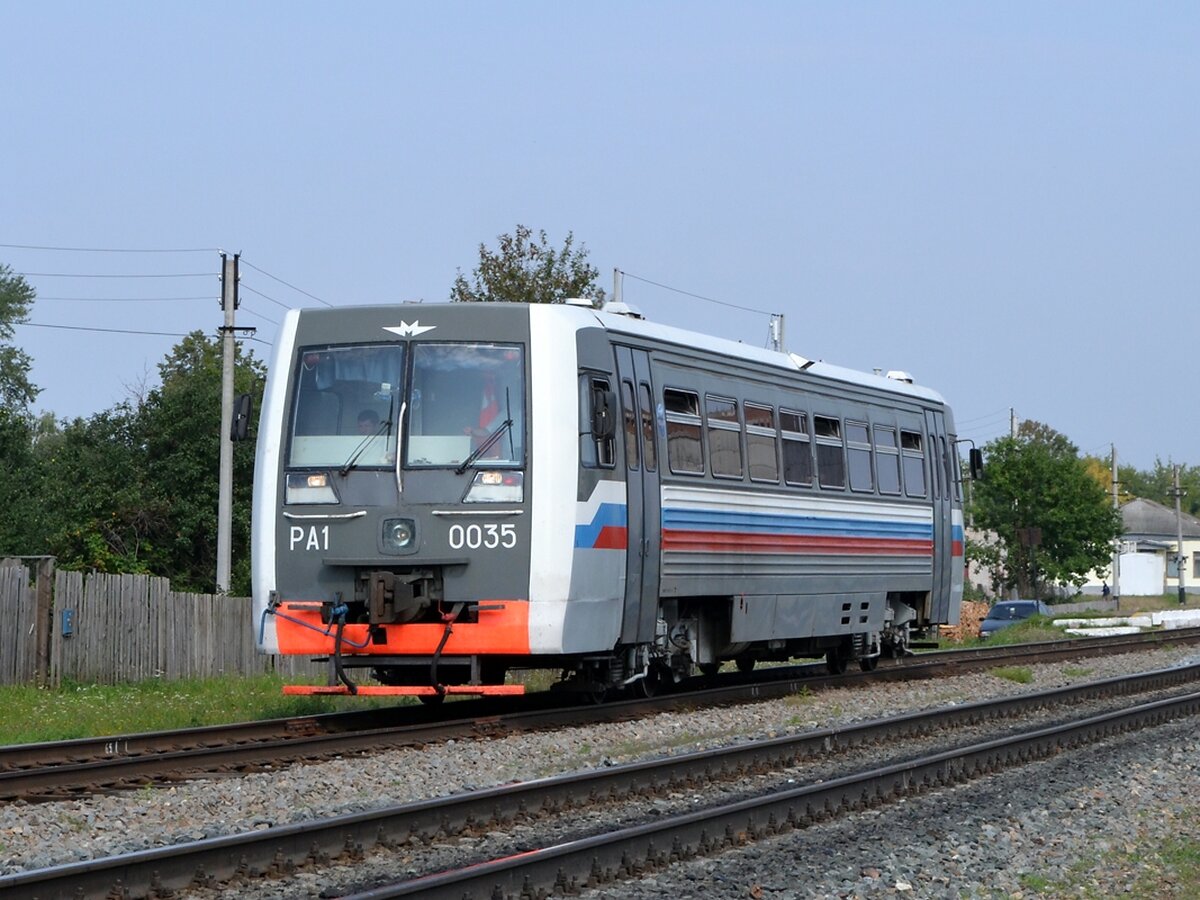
x=1113, y=818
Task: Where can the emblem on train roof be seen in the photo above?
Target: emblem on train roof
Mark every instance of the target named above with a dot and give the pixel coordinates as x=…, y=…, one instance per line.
x=404, y=329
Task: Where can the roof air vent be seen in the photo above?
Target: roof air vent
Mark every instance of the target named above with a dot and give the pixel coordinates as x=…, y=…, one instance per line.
x=618, y=308
x=900, y=375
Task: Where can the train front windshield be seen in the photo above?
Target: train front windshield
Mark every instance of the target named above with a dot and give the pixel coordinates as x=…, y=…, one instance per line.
x=352, y=402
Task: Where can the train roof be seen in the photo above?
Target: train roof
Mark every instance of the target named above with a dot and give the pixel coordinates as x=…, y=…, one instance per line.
x=624, y=323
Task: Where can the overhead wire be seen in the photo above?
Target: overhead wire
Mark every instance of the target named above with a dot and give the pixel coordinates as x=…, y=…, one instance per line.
x=246, y=262
x=110, y=249
x=667, y=287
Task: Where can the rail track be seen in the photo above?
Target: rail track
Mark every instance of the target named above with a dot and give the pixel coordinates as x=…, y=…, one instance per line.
x=67, y=769
x=561, y=866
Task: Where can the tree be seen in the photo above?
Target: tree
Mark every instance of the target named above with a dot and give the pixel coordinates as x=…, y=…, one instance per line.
x=16, y=296
x=134, y=488
x=182, y=453
x=1053, y=519
x=527, y=271
x=1157, y=483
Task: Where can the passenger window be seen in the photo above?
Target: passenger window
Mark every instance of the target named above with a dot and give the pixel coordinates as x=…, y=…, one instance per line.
x=684, y=454
x=887, y=460
x=913, y=454
x=858, y=457
x=724, y=437
x=649, y=452
x=593, y=453
x=762, y=455
x=629, y=416
x=831, y=464
x=797, y=448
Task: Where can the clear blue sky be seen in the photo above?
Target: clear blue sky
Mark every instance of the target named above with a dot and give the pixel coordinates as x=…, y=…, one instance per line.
x=1000, y=198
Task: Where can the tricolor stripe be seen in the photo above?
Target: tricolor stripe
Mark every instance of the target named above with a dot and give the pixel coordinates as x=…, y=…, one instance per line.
x=601, y=520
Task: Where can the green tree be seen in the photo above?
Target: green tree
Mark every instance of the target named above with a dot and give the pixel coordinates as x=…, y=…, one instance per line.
x=16, y=297
x=527, y=270
x=96, y=511
x=1053, y=519
x=18, y=484
x=134, y=489
x=182, y=431
x=1157, y=483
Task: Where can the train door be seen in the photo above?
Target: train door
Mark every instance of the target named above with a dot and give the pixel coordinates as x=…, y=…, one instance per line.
x=643, y=502
x=942, y=491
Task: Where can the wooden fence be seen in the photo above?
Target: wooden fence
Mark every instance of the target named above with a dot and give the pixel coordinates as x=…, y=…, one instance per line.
x=18, y=626
x=108, y=629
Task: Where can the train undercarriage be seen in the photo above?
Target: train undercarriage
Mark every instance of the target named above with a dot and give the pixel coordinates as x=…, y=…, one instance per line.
x=692, y=635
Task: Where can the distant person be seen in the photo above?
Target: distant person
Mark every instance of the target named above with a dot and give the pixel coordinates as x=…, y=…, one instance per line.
x=368, y=422
x=1104, y=591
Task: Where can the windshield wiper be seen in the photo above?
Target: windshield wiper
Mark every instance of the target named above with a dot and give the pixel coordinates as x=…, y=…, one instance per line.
x=483, y=448
x=363, y=444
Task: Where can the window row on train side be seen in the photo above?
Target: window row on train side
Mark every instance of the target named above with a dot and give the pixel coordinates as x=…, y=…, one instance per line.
x=764, y=443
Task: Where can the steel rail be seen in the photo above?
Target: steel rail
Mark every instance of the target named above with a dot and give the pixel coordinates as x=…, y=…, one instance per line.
x=276, y=850
x=632, y=852
x=141, y=759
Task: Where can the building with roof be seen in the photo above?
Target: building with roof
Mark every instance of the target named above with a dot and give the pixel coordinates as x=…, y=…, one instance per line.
x=1148, y=565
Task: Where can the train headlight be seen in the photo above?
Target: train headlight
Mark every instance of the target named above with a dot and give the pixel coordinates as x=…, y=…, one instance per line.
x=399, y=534
x=309, y=487
x=491, y=486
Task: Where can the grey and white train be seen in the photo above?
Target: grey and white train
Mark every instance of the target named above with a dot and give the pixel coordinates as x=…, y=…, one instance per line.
x=445, y=492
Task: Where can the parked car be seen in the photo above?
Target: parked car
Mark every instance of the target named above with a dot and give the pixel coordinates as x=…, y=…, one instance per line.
x=1010, y=612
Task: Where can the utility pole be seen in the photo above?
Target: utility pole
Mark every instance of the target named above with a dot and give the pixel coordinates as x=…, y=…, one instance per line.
x=1177, y=494
x=229, y=303
x=776, y=331
x=1012, y=422
x=616, y=285
x=1116, y=564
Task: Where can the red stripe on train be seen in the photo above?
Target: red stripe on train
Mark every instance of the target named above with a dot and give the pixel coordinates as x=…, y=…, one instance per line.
x=726, y=542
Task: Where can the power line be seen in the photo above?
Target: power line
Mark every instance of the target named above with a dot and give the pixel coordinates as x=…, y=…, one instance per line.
x=85, y=275
x=124, y=299
x=667, y=287
x=247, y=309
x=108, y=330
x=286, y=284
x=991, y=415
x=109, y=249
x=264, y=296
x=125, y=331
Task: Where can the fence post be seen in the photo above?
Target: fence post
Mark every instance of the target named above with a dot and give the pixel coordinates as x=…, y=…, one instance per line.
x=44, y=616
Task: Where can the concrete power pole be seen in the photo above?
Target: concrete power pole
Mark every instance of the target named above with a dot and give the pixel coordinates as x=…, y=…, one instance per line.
x=1116, y=564
x=1179, y=557
x=229, y=303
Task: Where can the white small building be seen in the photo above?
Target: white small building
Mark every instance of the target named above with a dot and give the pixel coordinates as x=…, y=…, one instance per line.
x=1149, y=553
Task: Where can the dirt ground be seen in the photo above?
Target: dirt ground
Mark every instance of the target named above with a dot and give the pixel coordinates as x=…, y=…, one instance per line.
x=973, y=612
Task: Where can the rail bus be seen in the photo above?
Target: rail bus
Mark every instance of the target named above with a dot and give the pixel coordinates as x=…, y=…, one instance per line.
x=445, y=492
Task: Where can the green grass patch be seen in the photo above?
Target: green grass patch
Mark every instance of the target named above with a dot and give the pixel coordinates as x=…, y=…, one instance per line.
x=1027, y=631
x=1018, y=674
x=84, y=710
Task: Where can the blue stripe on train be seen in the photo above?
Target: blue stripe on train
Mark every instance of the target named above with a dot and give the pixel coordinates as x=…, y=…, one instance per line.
x=607, y=515
x=709, y=520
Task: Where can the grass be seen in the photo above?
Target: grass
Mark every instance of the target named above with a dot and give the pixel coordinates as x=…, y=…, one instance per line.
x=1018, y=674
x=34, y=714
x=1162, y=860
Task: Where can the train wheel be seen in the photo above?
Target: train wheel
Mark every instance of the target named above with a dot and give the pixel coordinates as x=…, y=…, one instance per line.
x=745, y=664
x=710, y=669
x=432, y=699
x=836, y=661
x=868, y=663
